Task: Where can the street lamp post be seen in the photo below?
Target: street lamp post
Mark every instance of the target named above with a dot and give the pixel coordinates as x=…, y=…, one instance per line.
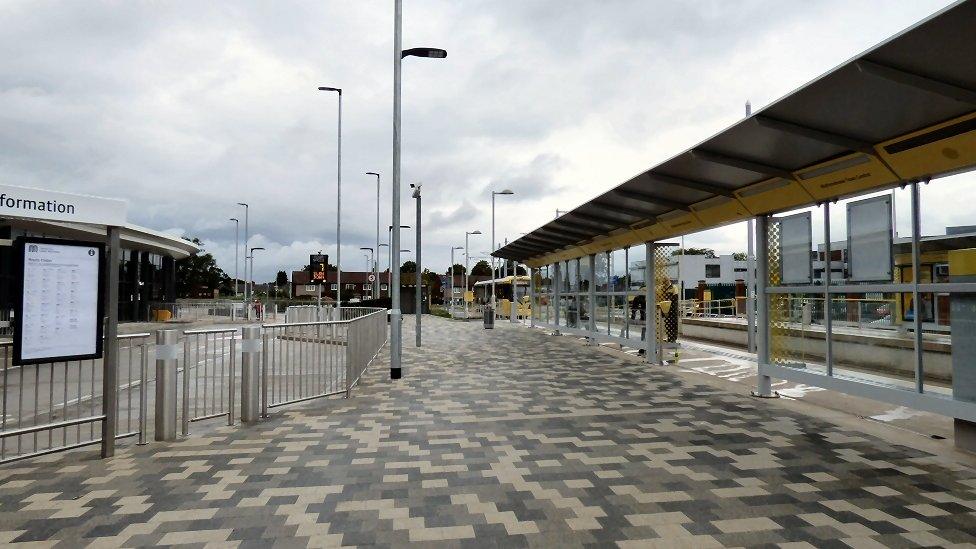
x=467, y=269
x=494, y=314
x=417, y=296
x=247, y=210
x=376, y=258
x=398, y=55
x=452, y=276
x=237, y=246
x=369, y=265
x=252, y=275
x=338, y=204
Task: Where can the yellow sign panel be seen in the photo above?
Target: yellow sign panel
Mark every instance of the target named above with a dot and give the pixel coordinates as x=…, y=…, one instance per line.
x=468, y=296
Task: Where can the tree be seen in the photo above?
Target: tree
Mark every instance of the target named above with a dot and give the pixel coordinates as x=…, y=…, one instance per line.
x=481, y=268
x=739, y=256
x=281, y=279
x=707, y=252
x=199, y=274
x=408, y=267
x=458, y=270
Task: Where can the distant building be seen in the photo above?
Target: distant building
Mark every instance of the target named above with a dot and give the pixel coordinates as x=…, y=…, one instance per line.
x=355, y=283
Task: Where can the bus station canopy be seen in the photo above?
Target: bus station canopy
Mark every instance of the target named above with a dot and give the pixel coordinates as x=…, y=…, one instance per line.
x=903, y=111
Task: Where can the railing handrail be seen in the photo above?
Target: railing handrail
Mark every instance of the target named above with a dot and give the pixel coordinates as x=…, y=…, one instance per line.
x=211, y=331
x=326, y=322
x=10, y=342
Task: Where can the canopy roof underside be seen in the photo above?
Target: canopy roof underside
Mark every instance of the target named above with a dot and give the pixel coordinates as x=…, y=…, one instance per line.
x=903, y=111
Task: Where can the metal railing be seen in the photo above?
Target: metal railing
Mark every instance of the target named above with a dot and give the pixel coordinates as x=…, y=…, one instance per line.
x=208, y=378
x=308, y=360
x=6, y=322
x=50, y=407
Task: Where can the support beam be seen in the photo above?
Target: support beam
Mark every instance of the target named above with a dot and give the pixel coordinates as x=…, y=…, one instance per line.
x=814, y=134
x=639, y=214
x=742, y=164
x=550, y=241
x=599, y=219
x=651, y=199
x=568, y=227
x=917, y=81
x=691, y=184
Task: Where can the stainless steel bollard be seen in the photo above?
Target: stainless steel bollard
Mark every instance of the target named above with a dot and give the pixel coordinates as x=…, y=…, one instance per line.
x=251, y=374
x=167, y=358
x=143, y=393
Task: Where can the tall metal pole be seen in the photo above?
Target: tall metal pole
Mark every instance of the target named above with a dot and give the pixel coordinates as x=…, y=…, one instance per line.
x=339, y=215
x=376, y=256
x=764, y=385
x=467, y=269
x=419, y=302
x=395, y=366
x=750, y=275
x=237, y=246
x=110, y=362
x=494, y=314
x=246, y=243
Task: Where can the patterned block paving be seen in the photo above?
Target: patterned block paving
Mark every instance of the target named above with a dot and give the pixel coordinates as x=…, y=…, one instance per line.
x=504, y=438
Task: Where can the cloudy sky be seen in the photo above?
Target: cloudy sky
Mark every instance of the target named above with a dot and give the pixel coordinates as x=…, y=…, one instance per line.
x=186, y=108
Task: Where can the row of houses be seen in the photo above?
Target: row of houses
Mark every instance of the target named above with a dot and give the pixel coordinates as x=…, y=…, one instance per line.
x=359, y=285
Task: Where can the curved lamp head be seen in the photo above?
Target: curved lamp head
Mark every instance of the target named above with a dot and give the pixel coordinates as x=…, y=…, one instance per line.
x=434, y=53
x=475, y=232
x=373, y=173
x=506, y=191
x=234, y=219
x=327, y=88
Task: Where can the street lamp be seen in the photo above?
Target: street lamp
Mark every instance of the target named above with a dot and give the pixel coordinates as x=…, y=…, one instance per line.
x=369, y=266
x=246, y=242
x=237, y=246
x=417, y=300
x=493, y=250
x=376, y=262
x=398, y=55
x=452, y=276
x=338, y=204
x=467, y=269
x=252, y=275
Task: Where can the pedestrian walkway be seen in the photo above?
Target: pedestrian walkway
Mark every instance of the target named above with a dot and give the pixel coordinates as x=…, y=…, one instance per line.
x=505, y=438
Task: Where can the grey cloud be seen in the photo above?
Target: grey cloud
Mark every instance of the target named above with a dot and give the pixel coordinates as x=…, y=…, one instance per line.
x=185, y=108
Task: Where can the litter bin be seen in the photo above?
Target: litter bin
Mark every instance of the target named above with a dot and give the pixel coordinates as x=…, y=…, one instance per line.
x=489, y=318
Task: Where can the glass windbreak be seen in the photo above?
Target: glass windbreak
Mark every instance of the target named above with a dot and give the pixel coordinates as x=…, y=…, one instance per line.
x=946, y=304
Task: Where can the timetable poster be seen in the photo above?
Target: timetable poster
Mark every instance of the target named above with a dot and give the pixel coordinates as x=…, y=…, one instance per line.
x=60, y=308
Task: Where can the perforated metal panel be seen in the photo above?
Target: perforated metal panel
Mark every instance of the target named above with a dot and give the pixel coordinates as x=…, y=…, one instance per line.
x=665, y=296
x=781, y=353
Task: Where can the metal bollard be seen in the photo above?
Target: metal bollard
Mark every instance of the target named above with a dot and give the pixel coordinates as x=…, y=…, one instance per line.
x=167, y=359
x=350, y=357
x=143, y=393
x=250, y=374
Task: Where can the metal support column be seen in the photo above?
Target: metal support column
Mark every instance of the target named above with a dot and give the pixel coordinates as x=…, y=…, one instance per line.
x=110, y=360
x=828, y=317
x=557, y=282
x=750, y=288
x=250, y=374
x=591, y=287
x=650, y=306
x=532, y=300
x=513, y=310
x=418, y=297
x=763, y=383
x=916, y=295
x=168, y=351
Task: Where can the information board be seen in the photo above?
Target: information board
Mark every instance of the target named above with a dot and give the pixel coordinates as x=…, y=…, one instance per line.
x=796, y=246
x=869, y=239
x=59, y=305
